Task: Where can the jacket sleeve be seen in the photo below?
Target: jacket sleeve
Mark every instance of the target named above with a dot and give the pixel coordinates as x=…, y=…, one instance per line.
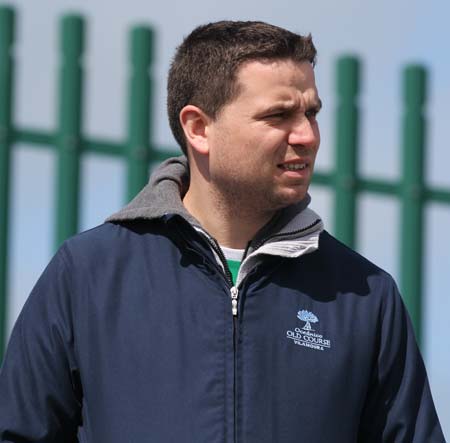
x=399, y=407
x=40, y=393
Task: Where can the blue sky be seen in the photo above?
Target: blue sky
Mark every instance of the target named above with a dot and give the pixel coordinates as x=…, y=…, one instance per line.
x=386, y=35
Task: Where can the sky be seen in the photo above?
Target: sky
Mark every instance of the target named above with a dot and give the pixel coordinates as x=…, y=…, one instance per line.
x=385, y=35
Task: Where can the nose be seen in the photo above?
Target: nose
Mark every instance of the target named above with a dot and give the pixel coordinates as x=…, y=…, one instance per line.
x=304, y=132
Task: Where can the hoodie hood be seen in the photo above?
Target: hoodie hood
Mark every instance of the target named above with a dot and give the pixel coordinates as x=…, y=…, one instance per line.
x=161, y=196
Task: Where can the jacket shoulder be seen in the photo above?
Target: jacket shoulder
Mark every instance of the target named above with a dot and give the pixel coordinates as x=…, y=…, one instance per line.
x=339, y=269
x=340, y=256
x=111, y=236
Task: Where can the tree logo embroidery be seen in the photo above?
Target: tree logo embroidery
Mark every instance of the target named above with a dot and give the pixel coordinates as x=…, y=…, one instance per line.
x=309, y=318
x=306, y=335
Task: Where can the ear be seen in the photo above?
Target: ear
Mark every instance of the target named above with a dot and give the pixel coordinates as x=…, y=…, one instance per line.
x=194, y=123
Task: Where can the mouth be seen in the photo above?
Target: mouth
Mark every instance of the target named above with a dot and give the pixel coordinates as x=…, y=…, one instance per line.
x=293, y=166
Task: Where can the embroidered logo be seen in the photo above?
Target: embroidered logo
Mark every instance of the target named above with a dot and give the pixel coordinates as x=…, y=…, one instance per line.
x=305, y=336
x=309, y=318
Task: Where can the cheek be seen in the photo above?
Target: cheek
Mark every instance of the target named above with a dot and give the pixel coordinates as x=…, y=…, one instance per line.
x=317, y=133
x=248, y=148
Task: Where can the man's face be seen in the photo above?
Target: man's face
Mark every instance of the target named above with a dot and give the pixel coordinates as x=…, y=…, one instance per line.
x=263, y=144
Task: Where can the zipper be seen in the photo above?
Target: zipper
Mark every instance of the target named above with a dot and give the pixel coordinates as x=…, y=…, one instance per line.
x=234, y=300
x=234, y=293
x=235, y=343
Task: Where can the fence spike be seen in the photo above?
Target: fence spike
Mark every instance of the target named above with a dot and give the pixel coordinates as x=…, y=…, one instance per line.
x=347, y=131
x=412, y=191
x=69, y=126
x=7, y=27
x=138, y=146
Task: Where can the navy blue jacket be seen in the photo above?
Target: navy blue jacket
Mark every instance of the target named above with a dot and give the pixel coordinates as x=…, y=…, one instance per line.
x=129, y=336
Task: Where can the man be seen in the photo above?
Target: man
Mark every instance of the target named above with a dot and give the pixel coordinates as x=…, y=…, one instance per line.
x=214, y=307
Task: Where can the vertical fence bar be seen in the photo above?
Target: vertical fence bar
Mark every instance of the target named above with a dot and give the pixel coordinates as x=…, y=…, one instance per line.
x=138, y=146
x=6, y=105
x=412, y=221
x=347, y=129
x=69, y=132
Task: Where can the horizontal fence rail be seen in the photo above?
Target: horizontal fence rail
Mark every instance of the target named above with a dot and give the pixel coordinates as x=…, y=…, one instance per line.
x=69, y=145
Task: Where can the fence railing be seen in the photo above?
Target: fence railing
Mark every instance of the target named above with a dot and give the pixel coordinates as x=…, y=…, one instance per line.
x=69, y=144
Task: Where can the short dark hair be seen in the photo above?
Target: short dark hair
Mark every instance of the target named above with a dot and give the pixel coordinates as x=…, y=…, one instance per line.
x=204, y=69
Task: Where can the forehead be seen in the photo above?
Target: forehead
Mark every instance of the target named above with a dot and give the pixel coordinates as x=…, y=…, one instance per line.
x=260, y=81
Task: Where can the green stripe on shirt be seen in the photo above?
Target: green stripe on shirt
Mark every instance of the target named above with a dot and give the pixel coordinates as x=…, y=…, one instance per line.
x=234, y=266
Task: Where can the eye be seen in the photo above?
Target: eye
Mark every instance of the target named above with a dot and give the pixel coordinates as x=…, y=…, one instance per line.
x=311, y=113
x=280, y=114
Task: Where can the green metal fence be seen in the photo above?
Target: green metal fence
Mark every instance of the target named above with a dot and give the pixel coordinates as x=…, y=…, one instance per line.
x=69, y=144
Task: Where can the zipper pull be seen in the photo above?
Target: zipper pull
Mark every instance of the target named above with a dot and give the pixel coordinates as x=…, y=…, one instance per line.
x=234, y=300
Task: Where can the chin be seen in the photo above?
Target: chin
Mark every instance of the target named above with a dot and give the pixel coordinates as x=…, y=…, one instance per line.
x=288, y=199
x=294, y=195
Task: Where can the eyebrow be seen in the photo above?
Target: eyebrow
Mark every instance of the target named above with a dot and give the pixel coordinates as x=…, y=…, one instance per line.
x=288, y=107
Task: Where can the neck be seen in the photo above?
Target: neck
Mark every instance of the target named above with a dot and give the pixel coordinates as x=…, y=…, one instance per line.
x=231, y=226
